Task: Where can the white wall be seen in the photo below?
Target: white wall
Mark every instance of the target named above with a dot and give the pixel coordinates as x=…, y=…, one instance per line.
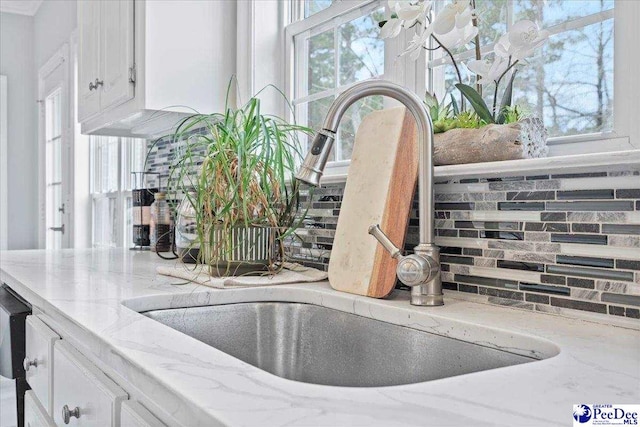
x=26, y=43
x=17, y=63
x=53, y=25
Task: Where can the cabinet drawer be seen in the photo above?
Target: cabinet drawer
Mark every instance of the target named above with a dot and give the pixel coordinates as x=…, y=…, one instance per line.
x=38, y=362
x=83, y=394
x=136, y=415
x=35, y=414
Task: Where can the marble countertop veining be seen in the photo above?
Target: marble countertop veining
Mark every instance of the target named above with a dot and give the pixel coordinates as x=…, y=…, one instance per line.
x=95, y=296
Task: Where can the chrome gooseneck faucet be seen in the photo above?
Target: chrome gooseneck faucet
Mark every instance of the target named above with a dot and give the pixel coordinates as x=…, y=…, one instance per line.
x=420, y=271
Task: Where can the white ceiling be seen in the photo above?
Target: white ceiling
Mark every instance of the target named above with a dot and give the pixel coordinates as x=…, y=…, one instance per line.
x=21, y=7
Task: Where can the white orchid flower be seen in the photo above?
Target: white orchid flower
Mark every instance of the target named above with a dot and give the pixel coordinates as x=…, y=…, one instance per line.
x=417, y=43
x=464, y=18
x=502, y=47
x=521, y=41
x=407, y=12
x=391, y=28
x=458, y=36
x=488, y=71
x=454, y=15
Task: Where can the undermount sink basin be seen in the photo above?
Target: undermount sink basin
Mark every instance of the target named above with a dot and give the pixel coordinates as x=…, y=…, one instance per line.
x=319, y=345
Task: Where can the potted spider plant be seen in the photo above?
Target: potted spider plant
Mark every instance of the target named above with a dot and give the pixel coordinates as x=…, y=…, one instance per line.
x=234, y=172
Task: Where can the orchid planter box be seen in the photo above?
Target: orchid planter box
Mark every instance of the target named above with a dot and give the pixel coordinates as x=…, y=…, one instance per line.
x=526, y=139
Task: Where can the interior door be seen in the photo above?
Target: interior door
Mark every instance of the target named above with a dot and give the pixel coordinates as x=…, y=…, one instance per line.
x=88, y=58
x=117, y=52
x=56, y=168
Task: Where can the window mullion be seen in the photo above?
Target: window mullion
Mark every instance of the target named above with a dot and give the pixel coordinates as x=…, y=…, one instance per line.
x=119, y=202
x=336, y=74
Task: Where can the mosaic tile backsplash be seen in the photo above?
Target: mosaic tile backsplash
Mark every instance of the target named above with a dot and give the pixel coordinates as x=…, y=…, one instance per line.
x=552, y=243
x=161, y=154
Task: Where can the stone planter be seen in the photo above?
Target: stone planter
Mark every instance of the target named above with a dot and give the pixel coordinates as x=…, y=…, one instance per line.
x=526, y=139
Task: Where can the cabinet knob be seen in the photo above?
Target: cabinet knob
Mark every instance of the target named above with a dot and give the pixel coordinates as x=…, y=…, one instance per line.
x=96, y=84
x=26, y=363
x=68, y=413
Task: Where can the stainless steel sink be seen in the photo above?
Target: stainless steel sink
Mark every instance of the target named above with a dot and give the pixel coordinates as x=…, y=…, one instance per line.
x=319, y=345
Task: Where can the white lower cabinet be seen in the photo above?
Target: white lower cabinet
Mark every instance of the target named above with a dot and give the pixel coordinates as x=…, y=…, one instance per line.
x=136, y=415
x=38, y=360
x=68, y=389
x=35, y=415
x=82, y=394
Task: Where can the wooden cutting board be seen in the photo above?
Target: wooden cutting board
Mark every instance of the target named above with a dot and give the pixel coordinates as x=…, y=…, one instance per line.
x=379, y=190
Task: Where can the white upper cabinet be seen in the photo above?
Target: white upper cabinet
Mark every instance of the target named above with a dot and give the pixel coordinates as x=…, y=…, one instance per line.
x=117, y=53
x=89, y=63
x=144, y=65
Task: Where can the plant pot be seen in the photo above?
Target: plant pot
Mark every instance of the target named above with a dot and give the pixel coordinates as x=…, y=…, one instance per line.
x=237, y=251
x=526, y=139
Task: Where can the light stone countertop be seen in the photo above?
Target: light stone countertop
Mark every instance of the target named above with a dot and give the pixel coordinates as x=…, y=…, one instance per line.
x=92, y=298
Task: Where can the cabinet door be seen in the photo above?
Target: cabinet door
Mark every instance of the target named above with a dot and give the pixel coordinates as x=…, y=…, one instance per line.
x=82, y=391
x=38, y=359
x=117, y=52
x=136, y=415
x=88, y=58
x=34, y=413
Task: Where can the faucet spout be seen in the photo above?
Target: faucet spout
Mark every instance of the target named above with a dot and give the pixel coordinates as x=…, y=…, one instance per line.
x=429, y=291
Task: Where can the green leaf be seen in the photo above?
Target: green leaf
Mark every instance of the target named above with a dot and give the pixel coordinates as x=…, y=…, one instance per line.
x=430, y=100
x=476, y=101
x=434, y=113
x=506, y=100
x=454, y=105
x=432, y=104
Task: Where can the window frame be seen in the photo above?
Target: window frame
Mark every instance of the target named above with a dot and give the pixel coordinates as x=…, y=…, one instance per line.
x=121, y=195
x=414, y=75
x=304, y=28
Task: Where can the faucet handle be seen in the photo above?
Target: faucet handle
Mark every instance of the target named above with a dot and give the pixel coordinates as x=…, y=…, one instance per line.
x=386, y=243
x=412, y=270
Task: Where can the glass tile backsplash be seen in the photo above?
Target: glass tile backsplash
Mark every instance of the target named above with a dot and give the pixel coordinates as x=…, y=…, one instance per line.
x=549, y=243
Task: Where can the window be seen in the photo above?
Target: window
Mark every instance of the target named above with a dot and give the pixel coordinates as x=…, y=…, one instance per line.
x=337, y=46
x=112, y=161
x=569, y=82
x=315, y=6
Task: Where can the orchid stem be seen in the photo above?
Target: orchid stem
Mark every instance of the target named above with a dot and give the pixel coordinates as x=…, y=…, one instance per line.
x=474, y=21
x=455, y=65
x=495, y=93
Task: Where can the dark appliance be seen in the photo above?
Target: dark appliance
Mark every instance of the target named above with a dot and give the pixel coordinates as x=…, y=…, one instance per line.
x=13, y=314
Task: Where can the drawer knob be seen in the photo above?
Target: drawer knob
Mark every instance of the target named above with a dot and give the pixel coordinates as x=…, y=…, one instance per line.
x=68, y=413
x=26, y=363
